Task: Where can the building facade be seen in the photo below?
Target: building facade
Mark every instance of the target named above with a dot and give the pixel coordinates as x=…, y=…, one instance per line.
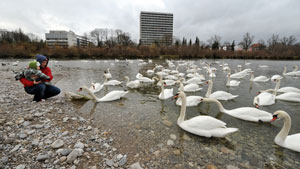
x=65, y=39
x=156, y=28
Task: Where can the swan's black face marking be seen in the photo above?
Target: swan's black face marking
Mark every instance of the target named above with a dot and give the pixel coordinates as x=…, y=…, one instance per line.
x=274, y=117
x=105, y=72
x=176, y=96
x=80, y=89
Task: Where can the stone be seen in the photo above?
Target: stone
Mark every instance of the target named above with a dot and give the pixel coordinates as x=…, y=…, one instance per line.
x=109, y=162
x=62, y=159
x=65, y=152
x=231, y=167
x=173, y=136
x=224, y=150
x=28, y=117
x=21, y=166
x=170, y=142
x=74, y=154
x=177, y=152
x=123, y=161
x=57, y=143
x=135, y=166
x=15, y=148
x=167, y=123
x=4, y=159
x=210, y=166
x=79, y=145
x=156, y=153
x=73, y=167
x=186, y=137
x=119, y=157
x=22, y=135
x=42, y=157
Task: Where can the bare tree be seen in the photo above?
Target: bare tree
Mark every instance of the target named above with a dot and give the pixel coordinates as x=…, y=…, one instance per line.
x=215, y=41
x=247, y=41
x=273, y=40
x=288, y=41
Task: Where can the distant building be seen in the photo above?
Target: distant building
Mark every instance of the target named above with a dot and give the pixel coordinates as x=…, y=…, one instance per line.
x=65, y=39
x=156, y=28
x=257, y=46
x=238, y=47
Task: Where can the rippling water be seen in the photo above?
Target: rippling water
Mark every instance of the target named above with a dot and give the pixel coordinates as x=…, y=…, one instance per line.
x=142, y=124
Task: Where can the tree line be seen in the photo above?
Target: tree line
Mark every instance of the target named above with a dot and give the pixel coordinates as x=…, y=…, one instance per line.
x=118, y=44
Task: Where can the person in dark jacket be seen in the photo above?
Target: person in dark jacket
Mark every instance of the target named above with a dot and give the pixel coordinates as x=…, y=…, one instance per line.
x=42, y=88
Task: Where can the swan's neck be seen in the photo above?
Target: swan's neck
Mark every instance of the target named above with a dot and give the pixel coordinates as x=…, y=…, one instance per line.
x=210, y=85
x=295, y=69
x=127, y=80
x=181, y=87
x=276, y=87
x=284, y=71
x=252, y=77
x=92, y=94
x=281, y=136
x=228, y=81
x=220, y=106
x=182, y=110
x=162, y=90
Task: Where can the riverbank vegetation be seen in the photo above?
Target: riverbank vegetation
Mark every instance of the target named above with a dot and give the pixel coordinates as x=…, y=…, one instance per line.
x=16, y=44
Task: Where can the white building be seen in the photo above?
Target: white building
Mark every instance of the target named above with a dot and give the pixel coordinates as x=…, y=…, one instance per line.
x=65, y=39
x=156, y=27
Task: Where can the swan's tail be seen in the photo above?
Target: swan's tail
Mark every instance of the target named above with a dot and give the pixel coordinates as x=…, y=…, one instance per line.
x=222, y=132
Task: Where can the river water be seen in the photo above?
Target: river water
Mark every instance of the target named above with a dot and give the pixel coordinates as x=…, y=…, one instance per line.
x=143, y=125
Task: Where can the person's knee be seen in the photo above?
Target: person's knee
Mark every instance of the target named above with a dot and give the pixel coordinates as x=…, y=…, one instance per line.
x=41, y=88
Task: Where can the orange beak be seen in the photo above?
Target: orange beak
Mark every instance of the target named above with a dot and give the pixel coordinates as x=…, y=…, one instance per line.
x=80, y=89
x=274, y=118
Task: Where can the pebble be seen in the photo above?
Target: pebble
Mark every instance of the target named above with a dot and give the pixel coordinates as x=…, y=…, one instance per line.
x=109, y=162
x=42, y=157
x=21, y=166
x=123, y=160
x=73, y=155
x=231, y=167
x=136, y=166
x=57, y=143
x=62, y=159
x=4, y=159
x=210, y=166
x=79, y=145
x=23, y=135
x=173, y=136
x=177, y=152
x=167, y=123
x=170, y=142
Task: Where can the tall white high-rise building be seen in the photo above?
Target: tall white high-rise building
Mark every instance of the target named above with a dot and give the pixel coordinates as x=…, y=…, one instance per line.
x=156, y=27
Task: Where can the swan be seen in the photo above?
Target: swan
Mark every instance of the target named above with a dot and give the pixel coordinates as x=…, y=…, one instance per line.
x=111, y=82
x=276, y=77
x=220, y=95
x=165, y=93
x=141, y=78
x=238, y=75
x=288, y=89
x=96, y=87
x=167, y=82
x=243, y=113
x=132, y=84
x=232, y=82
x=289, y=96
x=111, y=96
x=197, y=80
x=202, y=125
x=77, y=96
x=107, y=74
x=282, y=138
x=192, y=87
x=258, y=78
x=265, y=98
x=190, y=100
x=296, y=69
x=151, y=72
x=289, y=73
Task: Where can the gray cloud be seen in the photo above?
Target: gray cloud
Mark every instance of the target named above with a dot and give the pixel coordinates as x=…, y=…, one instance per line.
x=229, y=19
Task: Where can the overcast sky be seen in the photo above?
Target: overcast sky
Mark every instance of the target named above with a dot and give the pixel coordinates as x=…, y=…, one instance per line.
x=230, y=19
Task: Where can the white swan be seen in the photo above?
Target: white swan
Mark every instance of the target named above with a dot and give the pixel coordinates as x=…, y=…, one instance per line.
x=202, y=125
x=232, y=82
x=192, y=87
x=289, y=73
x=111, y=82
x=220, y=95
x=111, y=96
x=132, y=84
x=282, y=138
x=165, y=93
x=243, y=113
x=77, y=96
x=289, y=96
x=258, y=78
x=265, y=98
x=167, y=82
x=107, y=74
x=190, y=100
x=288, y=89
x=274, y=77
x=96, y=87
x=143, y=79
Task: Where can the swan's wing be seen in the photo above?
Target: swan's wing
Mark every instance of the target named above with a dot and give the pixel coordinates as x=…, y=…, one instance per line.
x=251, y=114
x=292, y=142
x=266, y=99
x=289, y=96
x=193, y=100
x=113, y=95
x=221, y=95
x=204, y=123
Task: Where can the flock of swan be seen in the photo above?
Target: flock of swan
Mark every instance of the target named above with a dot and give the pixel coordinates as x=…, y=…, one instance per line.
x=191, y=81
